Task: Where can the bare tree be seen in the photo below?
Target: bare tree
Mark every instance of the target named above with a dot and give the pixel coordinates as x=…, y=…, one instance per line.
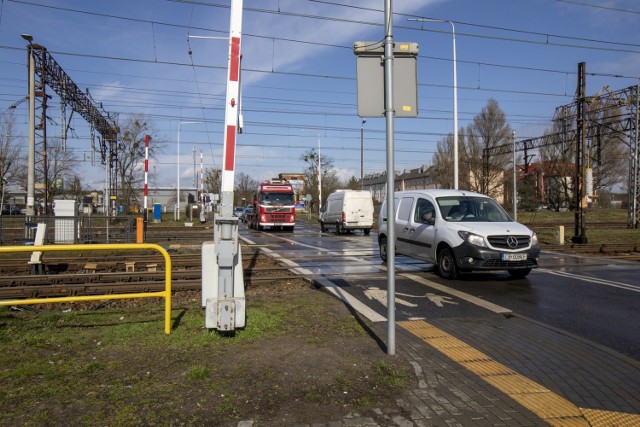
x=329, y=179
x=10, y=161
x=489, y=129
x=213, y=180
x=245, y=188
x=131, y=151
x=443, y=163
x=61, y=167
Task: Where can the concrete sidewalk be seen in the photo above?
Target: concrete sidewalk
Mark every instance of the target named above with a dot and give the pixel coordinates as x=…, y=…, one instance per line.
x=504, y=371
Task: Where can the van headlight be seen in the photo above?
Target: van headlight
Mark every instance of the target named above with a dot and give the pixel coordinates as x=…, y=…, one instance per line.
x=534, y=240
x=473, y=239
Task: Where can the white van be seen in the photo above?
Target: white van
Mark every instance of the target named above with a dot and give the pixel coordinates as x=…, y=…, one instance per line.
x=459, y=231
x=347, y=210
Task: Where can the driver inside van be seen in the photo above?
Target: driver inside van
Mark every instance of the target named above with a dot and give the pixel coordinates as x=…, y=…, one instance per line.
x=461, y=211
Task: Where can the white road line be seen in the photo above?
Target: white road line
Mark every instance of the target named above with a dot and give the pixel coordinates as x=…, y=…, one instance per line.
x=327, y=285
x=463, y=296
x=611, y=283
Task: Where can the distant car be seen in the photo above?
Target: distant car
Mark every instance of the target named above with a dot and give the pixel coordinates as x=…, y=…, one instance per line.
x=348, y=210
x=246, y=214
x=238, y=211
x=10, y=210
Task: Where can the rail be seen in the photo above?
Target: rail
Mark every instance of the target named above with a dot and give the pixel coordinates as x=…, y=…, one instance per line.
x=166, y=294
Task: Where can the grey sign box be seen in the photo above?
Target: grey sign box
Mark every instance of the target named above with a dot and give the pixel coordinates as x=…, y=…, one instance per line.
x=370, y=73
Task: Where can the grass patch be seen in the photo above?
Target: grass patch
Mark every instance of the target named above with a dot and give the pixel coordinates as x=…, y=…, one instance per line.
x=117, y=366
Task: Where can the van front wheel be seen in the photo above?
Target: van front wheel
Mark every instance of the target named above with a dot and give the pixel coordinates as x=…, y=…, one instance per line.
x=383, y=248
x=447, y=268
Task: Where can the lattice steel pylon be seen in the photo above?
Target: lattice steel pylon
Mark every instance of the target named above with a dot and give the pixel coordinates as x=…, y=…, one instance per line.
x=47, y=72
x=622, y=125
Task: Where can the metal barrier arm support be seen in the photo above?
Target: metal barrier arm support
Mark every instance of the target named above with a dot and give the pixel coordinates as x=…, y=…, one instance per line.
x=222, y=280
x=166, y=294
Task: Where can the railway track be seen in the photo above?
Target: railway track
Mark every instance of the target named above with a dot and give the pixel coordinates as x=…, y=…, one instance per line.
x=108, y=274
x=93, y=274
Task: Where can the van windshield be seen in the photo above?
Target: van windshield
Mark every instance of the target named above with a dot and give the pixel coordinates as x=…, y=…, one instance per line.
x=276, y=198
x=471, y=209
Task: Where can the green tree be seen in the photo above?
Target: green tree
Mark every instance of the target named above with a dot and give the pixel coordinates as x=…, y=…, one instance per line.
x=354, y=183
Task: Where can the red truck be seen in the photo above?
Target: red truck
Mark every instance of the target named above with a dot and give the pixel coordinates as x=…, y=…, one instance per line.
x=274, y=206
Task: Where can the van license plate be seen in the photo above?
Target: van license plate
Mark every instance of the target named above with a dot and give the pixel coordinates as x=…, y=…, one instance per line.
x=514, y=257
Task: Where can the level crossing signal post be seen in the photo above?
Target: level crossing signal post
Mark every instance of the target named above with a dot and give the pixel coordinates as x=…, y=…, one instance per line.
x=222, y=276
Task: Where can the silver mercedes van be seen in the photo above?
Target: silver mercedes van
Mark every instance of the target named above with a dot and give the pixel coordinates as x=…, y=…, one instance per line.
x=458, y=231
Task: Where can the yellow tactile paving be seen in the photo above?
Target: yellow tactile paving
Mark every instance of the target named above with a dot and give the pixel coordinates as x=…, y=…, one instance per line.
x=547, y=405
x=599, y=418
x=552, y=408
x=487, y=367
x=464, y=354
x=513, y=384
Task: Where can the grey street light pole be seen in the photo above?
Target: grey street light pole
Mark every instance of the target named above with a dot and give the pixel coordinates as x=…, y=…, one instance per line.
x=31, y=157
x=455, y=96
x=362, y=154
x=319, y=177
x=178, y=170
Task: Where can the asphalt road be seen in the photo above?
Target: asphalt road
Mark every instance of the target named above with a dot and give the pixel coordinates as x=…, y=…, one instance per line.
x=595, y=298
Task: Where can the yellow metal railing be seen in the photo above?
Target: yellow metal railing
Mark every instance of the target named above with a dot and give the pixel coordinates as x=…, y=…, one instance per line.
x=166, y=294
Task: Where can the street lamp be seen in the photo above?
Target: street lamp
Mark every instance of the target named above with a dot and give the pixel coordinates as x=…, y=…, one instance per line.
x=178, y=170
x=455, y=96
x=362, y=154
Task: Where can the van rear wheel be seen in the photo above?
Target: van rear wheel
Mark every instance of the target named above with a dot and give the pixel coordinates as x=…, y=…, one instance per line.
x=447, y=268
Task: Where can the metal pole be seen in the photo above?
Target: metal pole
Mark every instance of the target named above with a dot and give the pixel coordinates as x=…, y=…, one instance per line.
x=455, y=97
x=178, y=177
x=319, y=177
x=178, y=169
x=4, y=182
x=147, y=138
x=362, y=154
x=515, y=192
x=31, y=160
x=389, y=112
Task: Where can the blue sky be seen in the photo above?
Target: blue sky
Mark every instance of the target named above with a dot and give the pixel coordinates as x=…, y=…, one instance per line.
x=299, y=70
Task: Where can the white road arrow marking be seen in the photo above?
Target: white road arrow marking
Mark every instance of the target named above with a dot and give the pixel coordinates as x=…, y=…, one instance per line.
x=439, y=300
x=380, y=295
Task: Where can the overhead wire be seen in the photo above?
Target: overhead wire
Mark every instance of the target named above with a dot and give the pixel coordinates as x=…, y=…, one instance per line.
x=195, y=78
x=301, y=41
